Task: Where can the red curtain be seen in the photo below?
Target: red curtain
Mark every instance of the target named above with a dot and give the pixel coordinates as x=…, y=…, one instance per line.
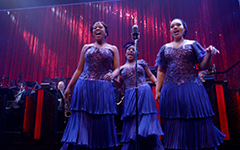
x=46, y=42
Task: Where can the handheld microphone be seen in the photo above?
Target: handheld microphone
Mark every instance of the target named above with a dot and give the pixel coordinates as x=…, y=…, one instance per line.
x=135, y=33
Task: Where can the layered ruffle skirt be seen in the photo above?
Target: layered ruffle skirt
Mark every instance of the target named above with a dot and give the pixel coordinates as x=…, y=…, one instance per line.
x=91, y=124
x=149, y=128
x=186, y=110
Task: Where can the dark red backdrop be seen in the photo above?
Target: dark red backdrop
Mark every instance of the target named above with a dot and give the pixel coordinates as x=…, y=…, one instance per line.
x=40, y=41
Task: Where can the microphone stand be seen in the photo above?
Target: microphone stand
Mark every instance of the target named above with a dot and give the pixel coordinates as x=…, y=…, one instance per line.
x=135, y=36
x=42, y=69
x=136, y=91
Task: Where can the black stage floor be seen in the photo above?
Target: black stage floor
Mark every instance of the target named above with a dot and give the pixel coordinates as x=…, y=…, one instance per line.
x=22, y=141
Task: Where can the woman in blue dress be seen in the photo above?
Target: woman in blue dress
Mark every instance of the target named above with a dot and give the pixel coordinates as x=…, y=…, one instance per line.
x=93, y=105
x=149, y=127
x=184, y=103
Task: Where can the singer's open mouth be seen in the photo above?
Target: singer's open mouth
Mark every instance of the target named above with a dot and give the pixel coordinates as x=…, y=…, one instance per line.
x=176, y=31
x=98, y=33
x=130, y=54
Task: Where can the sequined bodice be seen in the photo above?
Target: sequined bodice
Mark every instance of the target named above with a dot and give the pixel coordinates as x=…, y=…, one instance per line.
x=180, y=65
x=128, y=75
x=97, y=63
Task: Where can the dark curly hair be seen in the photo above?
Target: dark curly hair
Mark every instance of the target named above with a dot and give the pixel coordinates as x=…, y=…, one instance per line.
x=105, y=26
x=127, y=45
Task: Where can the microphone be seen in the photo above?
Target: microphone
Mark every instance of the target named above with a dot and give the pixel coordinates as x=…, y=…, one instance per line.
x=135, y=33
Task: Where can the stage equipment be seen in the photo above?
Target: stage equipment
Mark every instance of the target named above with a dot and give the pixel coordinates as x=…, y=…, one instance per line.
x=135, y=37
x=40, y=117
x=45, y=85
x=36, y=86
x=5, y=95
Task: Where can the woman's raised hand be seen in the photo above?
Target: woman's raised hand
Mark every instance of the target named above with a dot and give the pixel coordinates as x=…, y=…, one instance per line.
x=211, y=49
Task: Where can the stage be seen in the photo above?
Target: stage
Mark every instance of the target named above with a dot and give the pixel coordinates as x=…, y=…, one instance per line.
x=41, y=44
x=17, y=141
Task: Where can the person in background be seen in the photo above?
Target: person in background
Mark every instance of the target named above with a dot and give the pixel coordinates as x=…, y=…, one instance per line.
x=184, y=103
x=62, y=107
x=148, y=125
x=15, y=111
x=61, y=88
x=13, y=86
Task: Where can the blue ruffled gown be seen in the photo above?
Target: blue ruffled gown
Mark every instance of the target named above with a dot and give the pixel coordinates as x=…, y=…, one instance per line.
x=93, y=105
x=149, y=126
x=184, y=103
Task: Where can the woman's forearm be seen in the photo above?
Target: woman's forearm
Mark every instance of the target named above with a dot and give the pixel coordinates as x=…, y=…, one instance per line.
x=206, y=62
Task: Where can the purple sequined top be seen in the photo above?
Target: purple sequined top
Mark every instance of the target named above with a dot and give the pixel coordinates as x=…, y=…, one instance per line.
x=128, y=74
x=180, y=62
x=97, y=63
